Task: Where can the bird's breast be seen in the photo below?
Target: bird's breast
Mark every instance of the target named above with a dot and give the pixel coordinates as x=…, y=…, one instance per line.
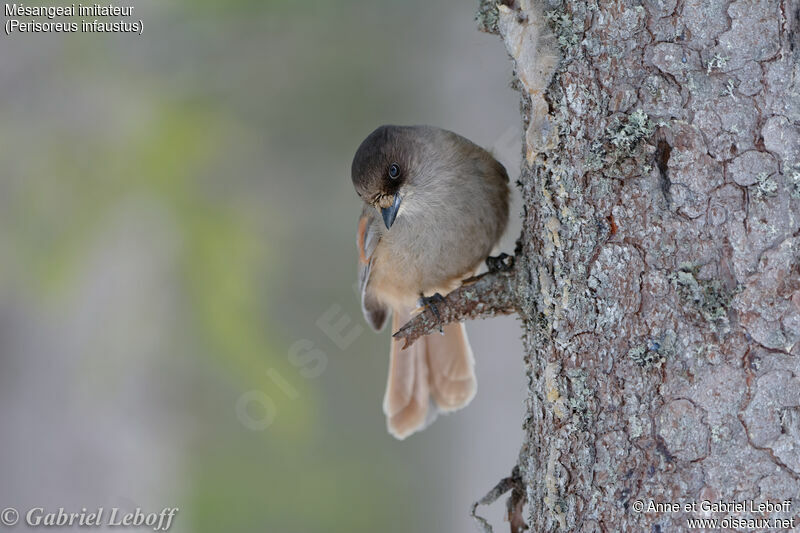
x=430, y=258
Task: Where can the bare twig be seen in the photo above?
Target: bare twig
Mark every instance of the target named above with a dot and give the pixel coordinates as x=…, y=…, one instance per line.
x=487, y=295
x=514, y=505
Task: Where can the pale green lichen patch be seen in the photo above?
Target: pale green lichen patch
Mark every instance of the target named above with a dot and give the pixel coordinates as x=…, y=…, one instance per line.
x=626, y=134
x=580, y=395
x=720, y=433
x=564, y=29
x=729, y=88
x=710, y=298
x=595, y=158
x=487, y=16
x=794, y=183
x=716, y=62
x=765, y=186
x=556, y=478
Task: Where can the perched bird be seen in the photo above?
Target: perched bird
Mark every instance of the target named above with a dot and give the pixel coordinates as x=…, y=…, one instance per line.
x=435, y=205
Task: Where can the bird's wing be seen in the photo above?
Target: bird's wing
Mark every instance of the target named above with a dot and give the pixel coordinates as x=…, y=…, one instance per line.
x=367, y=239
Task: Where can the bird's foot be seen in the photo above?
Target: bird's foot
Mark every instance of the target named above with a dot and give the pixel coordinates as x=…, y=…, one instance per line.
x=431, y=303
x=501, y=263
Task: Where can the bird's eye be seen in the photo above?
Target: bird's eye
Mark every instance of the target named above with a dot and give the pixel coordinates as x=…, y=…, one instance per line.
x=394, y=171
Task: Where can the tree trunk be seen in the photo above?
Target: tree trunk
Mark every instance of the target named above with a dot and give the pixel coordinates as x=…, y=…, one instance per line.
x=659, y=264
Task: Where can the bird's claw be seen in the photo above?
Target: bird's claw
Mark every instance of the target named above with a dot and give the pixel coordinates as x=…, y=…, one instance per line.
x=431, y=303
x=501, y=263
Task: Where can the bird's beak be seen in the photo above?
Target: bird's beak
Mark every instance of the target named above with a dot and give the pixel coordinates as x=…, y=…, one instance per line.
x=390, y=213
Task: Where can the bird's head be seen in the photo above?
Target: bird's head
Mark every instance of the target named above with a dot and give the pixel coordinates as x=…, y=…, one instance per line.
x=385, y=164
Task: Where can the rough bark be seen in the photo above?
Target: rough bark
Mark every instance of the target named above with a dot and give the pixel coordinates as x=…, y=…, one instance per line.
x=658, y=270
x=662, y=250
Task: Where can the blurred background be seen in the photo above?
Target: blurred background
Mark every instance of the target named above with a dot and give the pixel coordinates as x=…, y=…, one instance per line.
x=178, y=323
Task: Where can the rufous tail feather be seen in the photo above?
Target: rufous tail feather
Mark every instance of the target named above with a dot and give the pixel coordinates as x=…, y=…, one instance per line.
x=437, y=367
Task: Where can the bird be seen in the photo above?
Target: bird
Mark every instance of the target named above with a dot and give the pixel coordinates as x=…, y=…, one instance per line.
x=435, y=206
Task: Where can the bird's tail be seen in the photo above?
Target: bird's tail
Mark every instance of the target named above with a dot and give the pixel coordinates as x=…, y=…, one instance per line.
x=436, y=367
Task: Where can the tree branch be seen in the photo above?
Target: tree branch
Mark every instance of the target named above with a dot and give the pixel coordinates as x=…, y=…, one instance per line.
x=483, y=296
